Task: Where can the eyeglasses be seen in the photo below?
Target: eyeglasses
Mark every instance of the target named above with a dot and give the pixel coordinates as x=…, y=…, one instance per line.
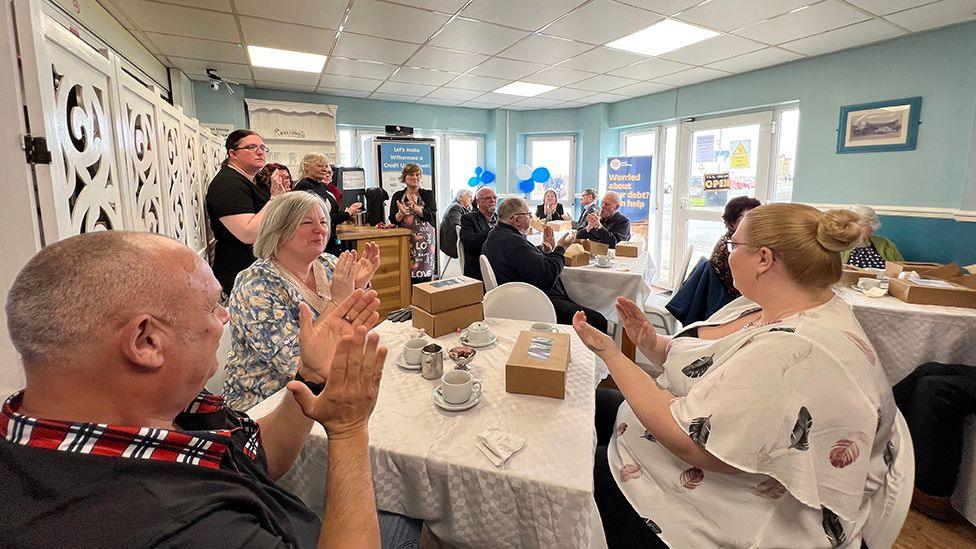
x=253, y=148
x=521, y=213
x=731, y=244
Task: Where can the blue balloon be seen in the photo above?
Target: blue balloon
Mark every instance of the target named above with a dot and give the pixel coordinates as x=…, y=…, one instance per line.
x=474, y=182
x=527, y=186
x=478, y=170
x=540, y=175
x=487, y=177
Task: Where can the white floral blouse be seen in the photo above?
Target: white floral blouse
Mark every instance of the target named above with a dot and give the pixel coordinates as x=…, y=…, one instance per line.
x=264, y=351
x=801, y=406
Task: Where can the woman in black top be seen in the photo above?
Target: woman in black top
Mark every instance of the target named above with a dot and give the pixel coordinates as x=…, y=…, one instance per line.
x=414, y=209
x=316, y=176
x=735, y=209
x=550, y=209
x=236, y=204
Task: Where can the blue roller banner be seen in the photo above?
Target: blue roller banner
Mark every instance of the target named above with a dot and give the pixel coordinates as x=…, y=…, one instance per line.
x=630, y=178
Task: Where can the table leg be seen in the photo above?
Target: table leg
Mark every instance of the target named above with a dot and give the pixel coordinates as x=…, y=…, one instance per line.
x=627, y=347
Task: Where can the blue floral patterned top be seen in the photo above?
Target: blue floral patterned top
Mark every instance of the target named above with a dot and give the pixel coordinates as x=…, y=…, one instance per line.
x=264, y=325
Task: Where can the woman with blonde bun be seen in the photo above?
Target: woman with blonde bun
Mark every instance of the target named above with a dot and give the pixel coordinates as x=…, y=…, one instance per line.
x=768, y=425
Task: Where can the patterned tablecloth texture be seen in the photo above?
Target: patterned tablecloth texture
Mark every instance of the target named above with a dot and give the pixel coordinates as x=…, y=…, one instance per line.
x=426, y=464
x=598, y=288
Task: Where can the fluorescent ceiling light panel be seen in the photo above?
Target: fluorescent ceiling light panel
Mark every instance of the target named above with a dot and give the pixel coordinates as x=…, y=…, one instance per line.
x=668, y=35
x=525, y=89
x=272, y=58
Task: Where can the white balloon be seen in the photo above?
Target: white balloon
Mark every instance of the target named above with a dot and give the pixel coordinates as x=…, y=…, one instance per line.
x=523, y=172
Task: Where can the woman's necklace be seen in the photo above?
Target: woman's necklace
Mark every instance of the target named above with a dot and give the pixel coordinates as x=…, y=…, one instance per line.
x=779, y=318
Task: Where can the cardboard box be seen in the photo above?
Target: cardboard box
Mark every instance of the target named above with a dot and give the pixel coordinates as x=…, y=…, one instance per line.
x=627, y=249
x=576, y=260
x=852, y=274
x=594, y=247
x=559, y=226
x=529, y=375
x=959, y=295
x=893, y=268
x=537, y=224
x=445, y=322
x=447, y=293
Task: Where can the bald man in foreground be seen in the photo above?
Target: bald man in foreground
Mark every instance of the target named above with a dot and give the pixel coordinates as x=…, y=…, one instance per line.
x=113, y=443
x=610, y=226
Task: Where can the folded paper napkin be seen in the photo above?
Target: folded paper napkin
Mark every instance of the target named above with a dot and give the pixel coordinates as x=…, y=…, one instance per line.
x=498, y=446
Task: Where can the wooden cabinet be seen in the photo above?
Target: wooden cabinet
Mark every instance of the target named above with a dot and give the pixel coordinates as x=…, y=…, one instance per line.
x=392, y=279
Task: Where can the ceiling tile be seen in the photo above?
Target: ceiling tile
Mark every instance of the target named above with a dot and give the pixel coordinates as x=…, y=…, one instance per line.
x=393, y=97
x=286, y=77
x=219, y=5
x=181, y=46
x=286, y=36
x=940, y=14
x=363, y=69
x=602, y=60
x=443, y=6
x=603, y=82
x=229, y=71
x=691, y=76
x=722, y=46
x=373, y=49
x=884, y=7
x=343, y=93
x=650, y=69
x=506, y=68
x=604, y=98
x=601, y=21
x=727, y=15
x=403, y=88
x=869, y=31
x=478, y=83
x=558, y=76
x=150, y=16
x=423, y=76
x=316, y=13
x=453, y=94
x=286, y=87
x=499, y=98
x=755, y=60
x=544, y=49
x=565, y=94
x=519, y=13
x=478, y=105
x=641, y=88
x=538, y=103
x=572, y=105
x=439, y=102
x=445, y=60
x=349, y=83
x=477, y=37
x=393, y=21
x=808, y=21
x=664, y=7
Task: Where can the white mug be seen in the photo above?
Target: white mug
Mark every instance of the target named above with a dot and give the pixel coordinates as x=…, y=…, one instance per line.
x=611, y=253
x=411, y=350
x=478, y=332
x=866, y=283
x=542, y=327
x=603, y=260
x=457, y=385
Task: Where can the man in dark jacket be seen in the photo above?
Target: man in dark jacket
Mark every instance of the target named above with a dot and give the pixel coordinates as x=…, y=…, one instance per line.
x=514, y=259
x=474, y=230
x=610, y=226
x=588, y=205
x=447, y=237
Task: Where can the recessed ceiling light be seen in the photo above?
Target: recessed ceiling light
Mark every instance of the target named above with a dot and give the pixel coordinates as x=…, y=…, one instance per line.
x=668, y=35
x=284, y=59
x=526, y=89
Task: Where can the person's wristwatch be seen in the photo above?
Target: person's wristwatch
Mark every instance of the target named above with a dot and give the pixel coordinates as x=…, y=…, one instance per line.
x=316, y=388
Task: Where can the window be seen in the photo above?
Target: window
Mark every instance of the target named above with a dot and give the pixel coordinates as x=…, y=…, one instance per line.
x=464, y=154
x=347, y=148
x=558, y=155
x=785, y=160
x=638, y=143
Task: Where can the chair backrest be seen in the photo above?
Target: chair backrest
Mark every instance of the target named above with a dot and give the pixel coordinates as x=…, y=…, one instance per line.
x=216, y=383
x=889, y=504
x=685, y=265
x=639, y=239
x=488, y=274
x=460, y=248
x=519, y=301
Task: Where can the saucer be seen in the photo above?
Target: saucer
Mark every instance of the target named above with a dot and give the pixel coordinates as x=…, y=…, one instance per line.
x=402, y=362
x=445, y=405
x=464, y=340
x=611, y=265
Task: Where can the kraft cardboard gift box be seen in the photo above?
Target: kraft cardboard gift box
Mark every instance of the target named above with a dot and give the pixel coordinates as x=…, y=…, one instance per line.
x=894, y=268
x=447, y=293
x=627, y=249
x=594, y=247
x=561, y=225
x=852, y=274
x=579, y=259
x=538, y=366
x=445, y=322
x=938, y=286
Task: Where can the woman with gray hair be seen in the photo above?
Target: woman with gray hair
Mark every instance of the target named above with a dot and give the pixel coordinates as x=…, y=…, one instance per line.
x=452, y=217
x=291, y=269
x=871, y=250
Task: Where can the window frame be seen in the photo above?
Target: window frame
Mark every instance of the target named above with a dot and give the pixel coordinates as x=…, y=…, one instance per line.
x=574, y=159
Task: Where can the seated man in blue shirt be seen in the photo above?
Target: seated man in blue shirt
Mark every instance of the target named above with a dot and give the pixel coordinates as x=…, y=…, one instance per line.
x=514, y=259
x=610, y=226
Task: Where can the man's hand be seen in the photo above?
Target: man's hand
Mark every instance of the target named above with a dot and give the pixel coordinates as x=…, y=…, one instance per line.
x=567, y=239
x=344, y=406
x=593, y=222
x=318, y=339
x=548, y=239
x=367, y=264
x=636, y=325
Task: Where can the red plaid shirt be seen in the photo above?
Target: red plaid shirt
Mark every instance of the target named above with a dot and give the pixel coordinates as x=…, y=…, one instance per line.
x=125, y=441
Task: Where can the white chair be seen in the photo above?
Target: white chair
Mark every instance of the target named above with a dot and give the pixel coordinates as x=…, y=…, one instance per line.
x=889, y=506
x=216, y=383
x=460, y=248
x=639, y=240
x=519, y=301
x=488, y=274
x=654, y=308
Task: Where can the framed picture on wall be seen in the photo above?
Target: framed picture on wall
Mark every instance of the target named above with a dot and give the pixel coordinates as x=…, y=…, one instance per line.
x=879, y=127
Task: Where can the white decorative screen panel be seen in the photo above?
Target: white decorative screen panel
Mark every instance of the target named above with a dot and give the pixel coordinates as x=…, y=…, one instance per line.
x=140, y=159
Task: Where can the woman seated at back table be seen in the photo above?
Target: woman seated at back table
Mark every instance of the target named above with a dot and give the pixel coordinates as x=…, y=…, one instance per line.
x=769, y=424
x=551, y=209
x=870, y=250
x=290, y=269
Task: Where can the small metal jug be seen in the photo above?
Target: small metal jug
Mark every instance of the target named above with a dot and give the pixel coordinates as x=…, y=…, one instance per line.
x=432, y=361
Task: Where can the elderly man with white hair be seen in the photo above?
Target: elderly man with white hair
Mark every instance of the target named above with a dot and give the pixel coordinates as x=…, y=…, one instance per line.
x=447, y=237
x=871, y=250
x=610, y=226
x=114, y=442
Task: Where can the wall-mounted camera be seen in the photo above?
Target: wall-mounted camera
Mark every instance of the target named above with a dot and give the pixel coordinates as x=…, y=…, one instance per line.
x=216, y=81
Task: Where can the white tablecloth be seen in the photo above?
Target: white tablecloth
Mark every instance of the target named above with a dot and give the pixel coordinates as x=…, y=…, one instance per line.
x=598, y=288
x=426, y=465
x=906, y=335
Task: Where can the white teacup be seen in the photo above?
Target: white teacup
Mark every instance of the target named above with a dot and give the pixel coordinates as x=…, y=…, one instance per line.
x=542, y=327
x=611, y=253
x=603, y=260
x=411, y=349
x=457, y=385
x=866, y=283
x=478, y=332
